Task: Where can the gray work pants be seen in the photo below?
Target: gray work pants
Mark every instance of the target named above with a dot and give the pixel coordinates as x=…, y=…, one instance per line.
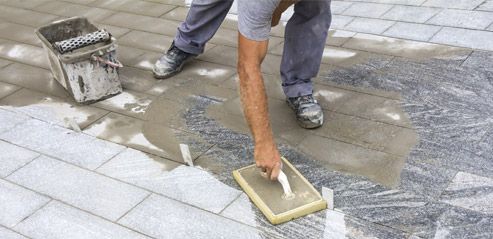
x=305, y=36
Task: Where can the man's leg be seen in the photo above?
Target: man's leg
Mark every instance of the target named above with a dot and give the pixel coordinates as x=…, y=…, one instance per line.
x=305, y=37
x=304, y=43
x=202, y=22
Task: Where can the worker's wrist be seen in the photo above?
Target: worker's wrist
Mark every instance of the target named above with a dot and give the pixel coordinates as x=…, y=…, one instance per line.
x=265, y=141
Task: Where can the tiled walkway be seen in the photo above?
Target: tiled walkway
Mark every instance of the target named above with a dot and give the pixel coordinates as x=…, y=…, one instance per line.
x=406, y=146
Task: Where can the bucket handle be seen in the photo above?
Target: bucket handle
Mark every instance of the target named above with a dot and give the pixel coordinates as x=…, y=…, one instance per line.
x=118, y=64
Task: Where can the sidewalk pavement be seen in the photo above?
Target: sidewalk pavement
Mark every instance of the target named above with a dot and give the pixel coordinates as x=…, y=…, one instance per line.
x=406, y=146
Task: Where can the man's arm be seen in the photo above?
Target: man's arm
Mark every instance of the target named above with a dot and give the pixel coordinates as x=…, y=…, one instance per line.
x=254, y=100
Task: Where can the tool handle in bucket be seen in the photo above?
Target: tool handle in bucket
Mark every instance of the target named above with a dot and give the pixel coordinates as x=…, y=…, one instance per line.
x=118, y=64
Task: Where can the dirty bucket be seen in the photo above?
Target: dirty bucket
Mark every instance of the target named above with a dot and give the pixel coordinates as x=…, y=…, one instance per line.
x=89, y=73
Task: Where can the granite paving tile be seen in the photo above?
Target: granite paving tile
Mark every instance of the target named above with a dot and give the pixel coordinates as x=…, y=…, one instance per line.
x=486, y=6
x=153, y=138
x=4, y=63
x=7, y=89
x=133, y=104
x=401, y=2
x=479, y=59
x=85, y=2
x=135, y=7
x=13, y=157
x=128, y=55
x=405, y=48
x=462, y=19
x=177, y=14
x=193, y=74
x=411, y=13
x=23, y=53
x=460, y=4
x=470, y=191
x=84, y=189
x=17, y=203
x=373, y=10
x=337, y=7
x=344, y=157
x=143, y=23
x=26, y=4
x=339, y=21
x=136, y=79
x=8, y=234
x=182, y=183
x=76, y=148
x=465, y=38
x=26, y=17
x=146, y=41
x=115, y=31
x=71, y=10
x=51, y=109
x=18, y=32
x=33, y=78
x=165, y=218
x=370, y=134
x=338, y=37
x=9, y=119
x=455, y=222
x=331, y=224
x=412, y=31
x=223, y=55
x=58, y=220
x=425, y=179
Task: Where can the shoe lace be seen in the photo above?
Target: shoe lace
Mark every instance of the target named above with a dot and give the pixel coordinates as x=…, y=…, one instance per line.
x=173, y=51
x=306, y=99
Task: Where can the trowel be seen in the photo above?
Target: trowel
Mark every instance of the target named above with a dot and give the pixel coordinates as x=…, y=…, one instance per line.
x=292, y=196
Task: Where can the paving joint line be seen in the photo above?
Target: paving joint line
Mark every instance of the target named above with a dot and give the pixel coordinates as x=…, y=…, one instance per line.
x=108, y=177
x=33, y=212
x=24, y=165
x=229, y=204
x=132, y=208
x=11, y=93
x=12, y=230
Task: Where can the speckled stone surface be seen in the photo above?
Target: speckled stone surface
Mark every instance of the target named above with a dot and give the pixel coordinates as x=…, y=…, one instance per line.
x=406, y=148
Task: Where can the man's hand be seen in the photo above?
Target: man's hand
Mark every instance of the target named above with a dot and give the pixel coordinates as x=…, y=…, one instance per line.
x=267, y=158
x=283, y=5
x=254, y=100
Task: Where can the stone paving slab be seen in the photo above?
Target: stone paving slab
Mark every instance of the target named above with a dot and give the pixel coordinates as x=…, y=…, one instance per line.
x=153, y=217
x=26, y=17
x=24, y=53
x=13, y=158
x=87, y=190
x=182, y=183
x=411, y=13
x=149, y=137
x=413, y=31
x=8, y=234
x=465, y=38
x=470, y=191
x=373, y=26
x=7, y=89
x=32, y=78
x=18, y=32
x=10, y=119
x=51, y=109
x=76, y=148
x=17, y=203
x=68, y=10
x=135, y=7
x=58, y=220
x=460, y=4
x=462, y=19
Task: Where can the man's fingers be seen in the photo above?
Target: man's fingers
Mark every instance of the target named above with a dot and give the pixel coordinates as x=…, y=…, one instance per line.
x=275, y=172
